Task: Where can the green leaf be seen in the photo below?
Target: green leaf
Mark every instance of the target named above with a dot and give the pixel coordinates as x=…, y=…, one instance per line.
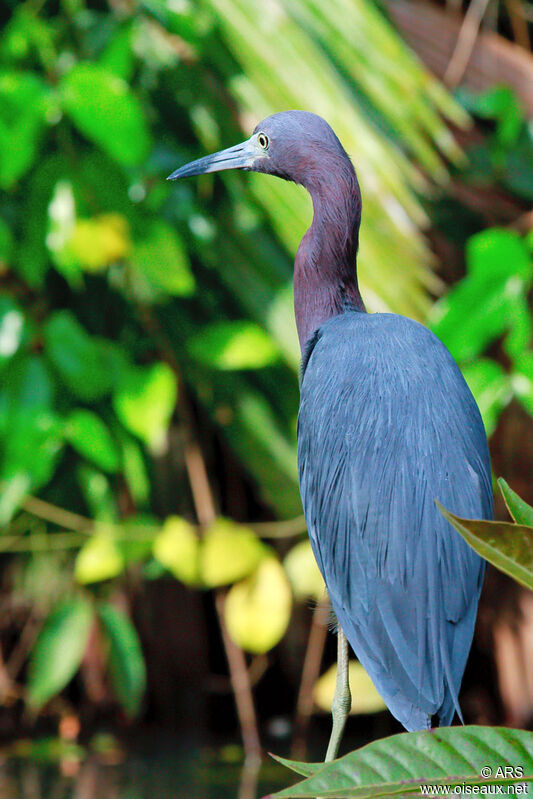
x=162, y=260
x=89, y=436
x=509, y=547
x=59, y=649
x=365, y=698
x=302, y=570
x=257, y=610
x=107, y=112
x=22, y=108
x=399, y=765
x=76, y=357
x=144, y=402
x=134, y=469
x=305, y=769
x=491, y=297
x=97, y=493
x=491, y=388
x=177, y=549
x=228, y=553
x=126, y=660
x=99, y=559
x=234, y=345
x=521, y=512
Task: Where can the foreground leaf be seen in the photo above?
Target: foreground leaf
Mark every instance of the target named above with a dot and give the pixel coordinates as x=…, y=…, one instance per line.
x=59, y=649
x=126, y=660
x=521, y=512
x=509, y=547
x=399, y=765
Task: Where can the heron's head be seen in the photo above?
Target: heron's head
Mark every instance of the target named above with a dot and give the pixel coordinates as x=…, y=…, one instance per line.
x=294, y=145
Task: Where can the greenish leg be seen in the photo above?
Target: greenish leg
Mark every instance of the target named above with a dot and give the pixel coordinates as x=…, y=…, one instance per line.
x=342, y=700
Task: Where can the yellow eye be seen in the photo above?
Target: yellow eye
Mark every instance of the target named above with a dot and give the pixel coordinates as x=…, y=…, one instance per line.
x=263, y=141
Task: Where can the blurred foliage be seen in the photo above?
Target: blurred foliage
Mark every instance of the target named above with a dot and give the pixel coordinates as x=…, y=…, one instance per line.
x=485, y=319
x=493, y=297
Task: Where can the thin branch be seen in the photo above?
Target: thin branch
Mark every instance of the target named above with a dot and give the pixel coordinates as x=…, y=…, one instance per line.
x=241, y=687
x=517, y=16
x=465, y=42
x=310, y=673
x=60, y=516
x=284, y=529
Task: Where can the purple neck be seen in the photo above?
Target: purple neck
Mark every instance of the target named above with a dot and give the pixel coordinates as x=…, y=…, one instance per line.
x=325, y=275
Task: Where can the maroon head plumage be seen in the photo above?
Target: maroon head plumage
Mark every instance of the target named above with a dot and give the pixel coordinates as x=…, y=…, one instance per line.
x=301, y=147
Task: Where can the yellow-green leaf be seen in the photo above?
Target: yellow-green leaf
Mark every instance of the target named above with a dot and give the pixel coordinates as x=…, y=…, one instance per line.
x=99, y=559
x=521, y=512
x=234, y=345
x=229, y=552
x=177, y=549
x=365, y=698
x=509, y=547
x=258, y=609
x=303, y=572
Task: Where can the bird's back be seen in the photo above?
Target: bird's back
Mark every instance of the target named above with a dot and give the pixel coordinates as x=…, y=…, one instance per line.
x=387, y=425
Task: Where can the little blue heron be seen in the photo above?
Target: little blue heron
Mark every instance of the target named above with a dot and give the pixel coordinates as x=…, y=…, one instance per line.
x=386, y=426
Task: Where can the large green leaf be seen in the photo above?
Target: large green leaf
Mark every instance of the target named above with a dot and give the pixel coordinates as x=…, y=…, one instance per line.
x=521, y=512
x=509, y=547
x=105, y=110
x=126, y=660
x=59, y=648
x=398, y=766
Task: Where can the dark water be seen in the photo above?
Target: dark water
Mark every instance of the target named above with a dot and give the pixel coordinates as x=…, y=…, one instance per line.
x=155, y=769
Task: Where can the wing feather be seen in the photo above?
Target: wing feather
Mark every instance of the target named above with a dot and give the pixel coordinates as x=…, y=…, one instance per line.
x=386, y=426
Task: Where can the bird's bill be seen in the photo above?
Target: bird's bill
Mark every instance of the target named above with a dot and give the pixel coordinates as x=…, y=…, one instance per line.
x=241, y=156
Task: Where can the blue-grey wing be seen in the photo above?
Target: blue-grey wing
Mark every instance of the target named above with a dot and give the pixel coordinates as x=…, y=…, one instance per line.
x=387, y=425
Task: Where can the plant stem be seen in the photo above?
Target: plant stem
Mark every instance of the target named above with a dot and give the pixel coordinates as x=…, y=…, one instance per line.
x=310, y=673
